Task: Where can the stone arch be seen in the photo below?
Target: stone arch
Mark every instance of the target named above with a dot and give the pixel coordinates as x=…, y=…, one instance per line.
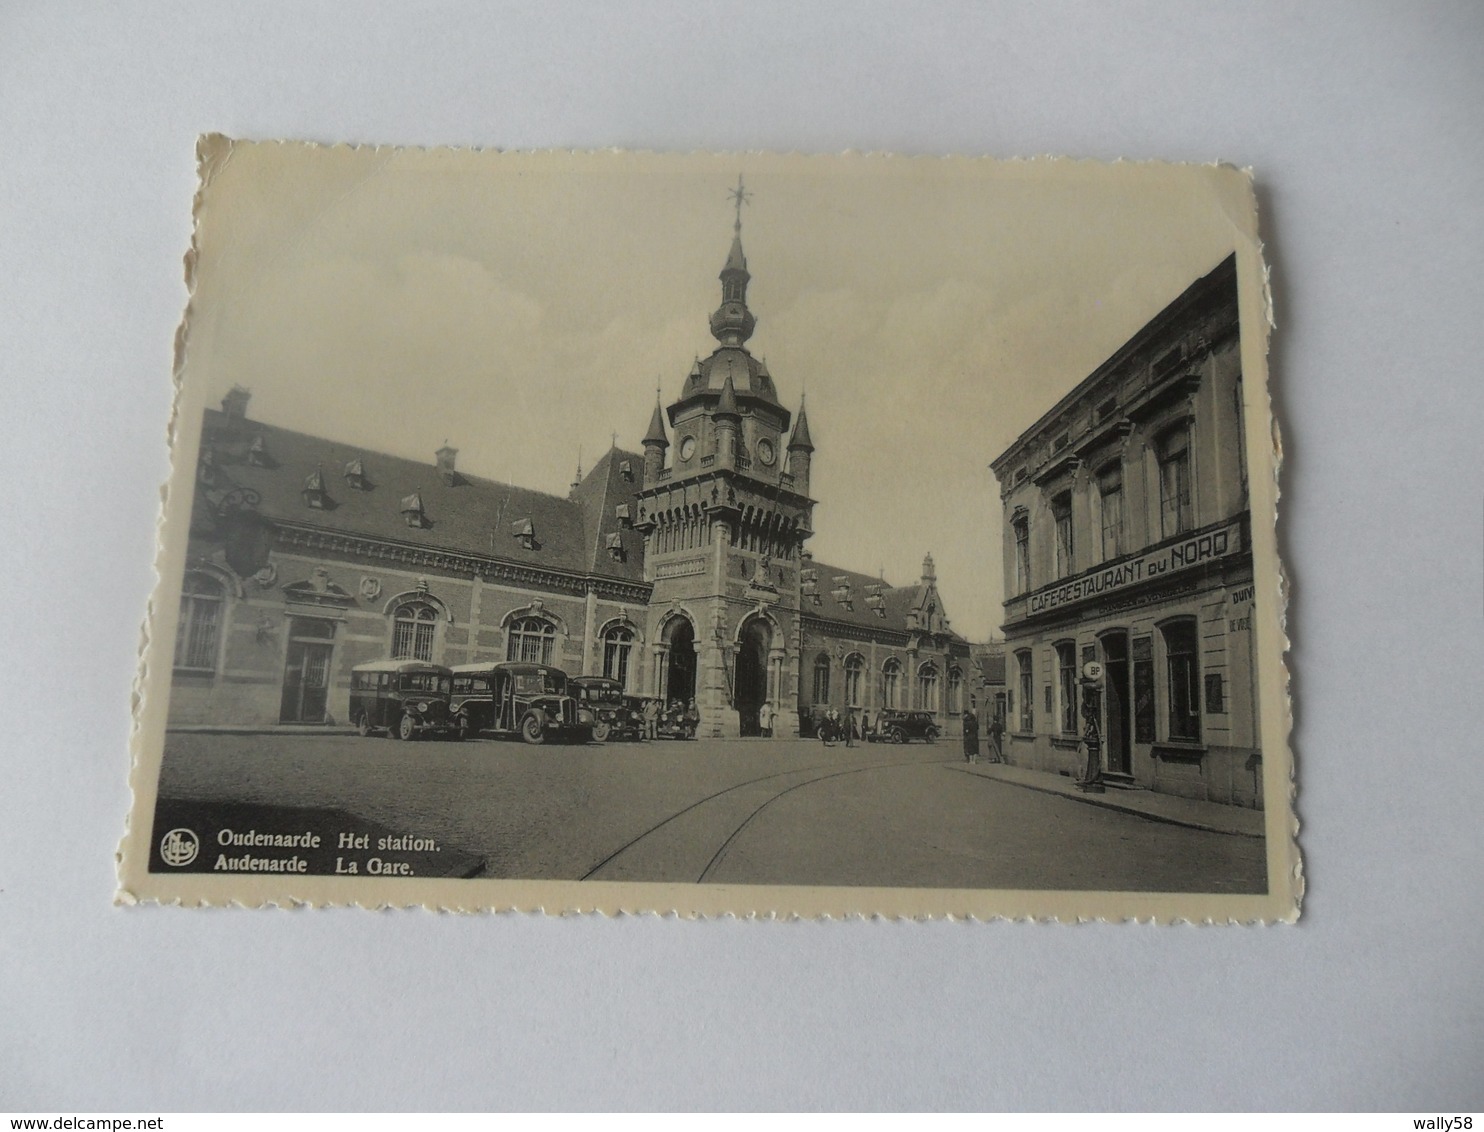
x=536, y=609
x=424, y=596
x=218, y=572
x=622, y=621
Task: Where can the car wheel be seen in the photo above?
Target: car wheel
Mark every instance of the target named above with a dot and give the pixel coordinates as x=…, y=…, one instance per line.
x=897, y=736
x=932, y=735
x=600, y=732
x=363, y=725
x=532, y=730
x=406, y=728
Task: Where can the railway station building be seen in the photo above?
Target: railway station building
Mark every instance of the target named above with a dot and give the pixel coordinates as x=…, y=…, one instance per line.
x=680, y=569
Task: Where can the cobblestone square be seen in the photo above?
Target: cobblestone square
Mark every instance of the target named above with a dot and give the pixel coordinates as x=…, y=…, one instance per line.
x=723, y=811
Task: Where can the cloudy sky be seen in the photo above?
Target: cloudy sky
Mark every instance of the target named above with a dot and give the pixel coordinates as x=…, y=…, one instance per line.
x=524, y=306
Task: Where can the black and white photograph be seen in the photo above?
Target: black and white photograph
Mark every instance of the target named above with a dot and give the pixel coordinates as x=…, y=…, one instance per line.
x=816, y=533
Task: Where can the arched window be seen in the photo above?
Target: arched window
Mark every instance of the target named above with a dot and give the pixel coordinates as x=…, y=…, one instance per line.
x=531, y=639
x=1110, y=508
x=1182, y=675
x=1025, y=687
x=1176, y=508
x=927, y=687
x=198, y=634
x=618, y=643
x=821, y=679
x=1066, y=682
x=1061, y=512
x=1022, y=528
x=413, y=626
x=955, y=691
x=891, y=684
x=855, y=665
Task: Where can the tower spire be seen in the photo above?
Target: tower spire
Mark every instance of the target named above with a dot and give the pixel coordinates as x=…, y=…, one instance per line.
x=732, y=323
x=739, y=196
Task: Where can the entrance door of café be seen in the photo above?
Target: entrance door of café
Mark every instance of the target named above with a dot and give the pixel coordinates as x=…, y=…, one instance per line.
x=1116, y=716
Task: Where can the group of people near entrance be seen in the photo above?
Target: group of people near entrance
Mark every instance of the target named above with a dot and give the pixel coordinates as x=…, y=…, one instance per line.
x=678, y=713
x=833, y=727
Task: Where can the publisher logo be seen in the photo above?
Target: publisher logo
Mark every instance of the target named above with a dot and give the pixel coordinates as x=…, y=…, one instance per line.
x=179, y=847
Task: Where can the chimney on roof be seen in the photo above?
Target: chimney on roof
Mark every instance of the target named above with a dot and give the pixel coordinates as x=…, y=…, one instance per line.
x=234, y=404
x=446, y=457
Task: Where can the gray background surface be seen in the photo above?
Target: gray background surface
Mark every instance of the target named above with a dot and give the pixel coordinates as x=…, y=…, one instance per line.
x=1363, y=123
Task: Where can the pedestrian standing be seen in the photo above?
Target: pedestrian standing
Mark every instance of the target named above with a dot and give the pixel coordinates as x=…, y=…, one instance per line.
x=865, y=726
x=651, y=717
x=765, y=720
x=850, y=734
x=971, y=737
x=996, y=738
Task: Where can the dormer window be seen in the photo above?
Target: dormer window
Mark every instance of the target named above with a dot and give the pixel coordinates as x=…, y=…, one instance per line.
x=842, y=592
x=412, y=510
x=355, y=475
x=445, y=458
x=874, y=601
x=525, y=533
x=314, y=490
x=615, y=547
x=621, y=512
x=626, y=471
x=257, y=453
x=809, y=585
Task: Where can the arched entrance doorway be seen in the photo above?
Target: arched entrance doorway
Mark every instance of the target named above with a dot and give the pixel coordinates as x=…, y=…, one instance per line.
x=752, y=673
x=680, y=673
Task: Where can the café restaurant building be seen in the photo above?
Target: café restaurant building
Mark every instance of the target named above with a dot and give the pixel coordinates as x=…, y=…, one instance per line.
x=1127, y=542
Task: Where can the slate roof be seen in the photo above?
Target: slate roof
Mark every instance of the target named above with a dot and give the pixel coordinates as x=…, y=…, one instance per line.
x=897, y=601
x=471, y=515
x=990, y=665
x=599, y=496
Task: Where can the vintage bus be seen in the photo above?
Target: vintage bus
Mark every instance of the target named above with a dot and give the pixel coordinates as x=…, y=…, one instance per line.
x=407, y=699
x=516, y=698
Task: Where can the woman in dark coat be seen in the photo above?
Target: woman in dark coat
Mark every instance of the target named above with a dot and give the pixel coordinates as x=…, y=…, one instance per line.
x=971, y=737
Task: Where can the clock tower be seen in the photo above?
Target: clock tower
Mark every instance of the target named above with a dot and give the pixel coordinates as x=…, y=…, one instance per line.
x=725, y=511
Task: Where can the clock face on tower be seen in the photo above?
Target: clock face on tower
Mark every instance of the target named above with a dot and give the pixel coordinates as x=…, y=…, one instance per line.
x=765, y=452
x=687, y=447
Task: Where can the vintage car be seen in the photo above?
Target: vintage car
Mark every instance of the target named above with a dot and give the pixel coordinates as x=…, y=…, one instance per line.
x=677, y=722
x=515, y=698
x=893, y=726
x=407, y=699
x=601, y=703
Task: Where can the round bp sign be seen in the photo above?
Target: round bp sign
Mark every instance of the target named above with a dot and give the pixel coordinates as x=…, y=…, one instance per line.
x=1092, y=670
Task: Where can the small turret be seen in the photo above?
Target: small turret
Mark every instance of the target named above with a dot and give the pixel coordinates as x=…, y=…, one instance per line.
x=800, y=452
x=655, y=443
x=728, y=421
x=929, y=571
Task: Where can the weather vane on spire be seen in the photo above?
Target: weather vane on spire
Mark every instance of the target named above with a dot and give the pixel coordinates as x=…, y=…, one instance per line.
x=739, y=196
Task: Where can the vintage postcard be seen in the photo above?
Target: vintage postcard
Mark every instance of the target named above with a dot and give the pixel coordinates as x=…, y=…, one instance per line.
x=719, y=534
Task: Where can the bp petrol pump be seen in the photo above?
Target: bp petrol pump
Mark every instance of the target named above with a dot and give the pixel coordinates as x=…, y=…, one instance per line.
x=1090, y=781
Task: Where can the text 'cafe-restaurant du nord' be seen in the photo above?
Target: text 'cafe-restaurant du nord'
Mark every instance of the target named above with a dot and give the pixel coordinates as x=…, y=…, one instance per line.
x=1127, y=543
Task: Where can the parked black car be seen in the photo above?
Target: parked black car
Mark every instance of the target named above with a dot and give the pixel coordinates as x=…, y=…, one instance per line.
x=601, y=702
x=900, y=726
